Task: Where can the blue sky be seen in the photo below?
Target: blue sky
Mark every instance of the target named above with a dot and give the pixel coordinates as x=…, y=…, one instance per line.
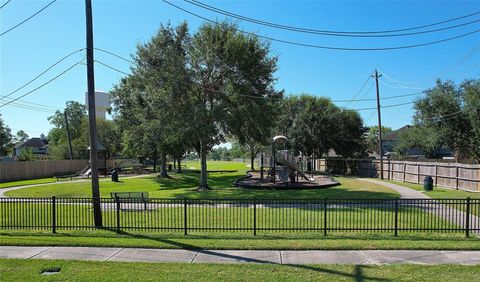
x=120, y=25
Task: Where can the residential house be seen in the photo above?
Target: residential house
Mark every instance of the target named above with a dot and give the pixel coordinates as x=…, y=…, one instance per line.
x=38, y=145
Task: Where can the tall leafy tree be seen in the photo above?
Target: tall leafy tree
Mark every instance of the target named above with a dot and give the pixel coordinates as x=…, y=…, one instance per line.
x=372, y=137
x=58, y=140
x=5, y=138
x=225, y=65
x=149, y=104
x=471, y=93
x=20, y=136
x=442, y=110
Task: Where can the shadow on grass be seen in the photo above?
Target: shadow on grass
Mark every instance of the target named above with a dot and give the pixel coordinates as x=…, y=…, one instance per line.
x=357, y=275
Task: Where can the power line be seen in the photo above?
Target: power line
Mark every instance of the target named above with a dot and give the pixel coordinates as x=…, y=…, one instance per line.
x=115, y=55
x=110, y=67
x=5, y=4
x=280, y=99
x=400, y=87
x=30, y=108
x=25, y=20
x=325, y=46
x=42, y=73
x=450, y=69
x=32, y=105
x=388, y=106
x=327, y=33
x=62, y=73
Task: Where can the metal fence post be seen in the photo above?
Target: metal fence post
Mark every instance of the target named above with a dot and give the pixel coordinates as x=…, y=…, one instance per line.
x=254, y=217
x=185, y=231
x=117, y=201
x=396, y=216
x=325, y=216
x=54, y=215
x=467, y=218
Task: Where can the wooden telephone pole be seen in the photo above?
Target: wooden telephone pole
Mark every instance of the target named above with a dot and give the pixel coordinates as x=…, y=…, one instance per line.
x=380, y=147
x=97, y=212
x=68, y=135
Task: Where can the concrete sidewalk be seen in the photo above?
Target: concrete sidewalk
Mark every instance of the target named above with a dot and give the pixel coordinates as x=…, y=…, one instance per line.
x=243, y=256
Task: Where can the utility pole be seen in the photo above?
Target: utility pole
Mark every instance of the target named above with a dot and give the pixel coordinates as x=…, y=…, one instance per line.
x=97, y=212
x=380, y=147
x=68, y=135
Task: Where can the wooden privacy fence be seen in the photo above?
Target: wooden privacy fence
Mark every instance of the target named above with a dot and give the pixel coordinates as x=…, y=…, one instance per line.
x=450, y=175
x=11, y=171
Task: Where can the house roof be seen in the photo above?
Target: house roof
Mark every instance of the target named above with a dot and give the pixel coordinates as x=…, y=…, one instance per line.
x=392, y=136
x=31, y=143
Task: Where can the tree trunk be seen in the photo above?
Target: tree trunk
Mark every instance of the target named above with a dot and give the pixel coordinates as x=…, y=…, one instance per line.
x=174, y=163
x=203, y=169
x=252, y=159
x=163, y=172
x=154, y=164
x=179, y=167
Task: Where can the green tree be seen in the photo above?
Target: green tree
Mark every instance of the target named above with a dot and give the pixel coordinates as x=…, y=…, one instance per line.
x=77, y=122
x=20, y=136
x=150, y=104
x=424, y=138
x=471, y=91
x=349, y=135
x=5, y=138
x=372, y=137
x=26, y=154
x=225, y=65
x=442, y=110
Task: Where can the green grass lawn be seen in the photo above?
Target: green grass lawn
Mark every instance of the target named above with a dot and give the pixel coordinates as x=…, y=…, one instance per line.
x=439, y=192
x=29, y=270
x=183, y=185
x=218, y=165
x=242, y=240
x=27, y=182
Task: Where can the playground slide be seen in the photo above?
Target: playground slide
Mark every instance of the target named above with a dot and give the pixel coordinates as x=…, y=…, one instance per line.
x=293, y=166
x=87, y=173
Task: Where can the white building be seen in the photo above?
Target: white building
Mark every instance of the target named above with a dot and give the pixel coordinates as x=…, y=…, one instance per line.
x=102, y=103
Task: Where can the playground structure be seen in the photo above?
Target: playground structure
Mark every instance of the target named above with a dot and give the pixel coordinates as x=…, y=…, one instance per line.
x=284, y=171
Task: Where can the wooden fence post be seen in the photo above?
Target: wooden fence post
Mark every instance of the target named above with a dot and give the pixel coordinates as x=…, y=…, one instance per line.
x=436, y=174
x=418, y=173
x=404, y=171
x=456, y=176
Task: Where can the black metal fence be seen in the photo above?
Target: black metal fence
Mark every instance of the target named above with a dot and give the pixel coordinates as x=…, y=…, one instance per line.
x=323, y=216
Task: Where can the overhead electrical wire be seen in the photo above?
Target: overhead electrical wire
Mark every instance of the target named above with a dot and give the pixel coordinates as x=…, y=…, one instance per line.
x=336, y=31
x=450, y=69
x=110, y=67
x=5, y=4
x=326, y=47
x=42, y=73
x=42, y=85
x=25, y=20
x=279, y=99
x=115, y=55
x=319, y=32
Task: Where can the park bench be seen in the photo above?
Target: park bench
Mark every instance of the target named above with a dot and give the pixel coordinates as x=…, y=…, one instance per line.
x=131, y=197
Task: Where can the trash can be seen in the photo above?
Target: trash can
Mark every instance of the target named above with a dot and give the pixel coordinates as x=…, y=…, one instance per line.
x=115, y=175
x=169, y=167
x=428, y=183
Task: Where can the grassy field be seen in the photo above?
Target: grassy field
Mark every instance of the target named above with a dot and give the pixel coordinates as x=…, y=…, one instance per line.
x=30, y=270
x=239, y=240
x=27, y=182
x=218, y=165
x=183, y=185
x=439, y=192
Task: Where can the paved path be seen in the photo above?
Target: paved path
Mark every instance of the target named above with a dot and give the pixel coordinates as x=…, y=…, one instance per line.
x=405, y=192
x=3, y=190
x=243, y=256
x=451, y=214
